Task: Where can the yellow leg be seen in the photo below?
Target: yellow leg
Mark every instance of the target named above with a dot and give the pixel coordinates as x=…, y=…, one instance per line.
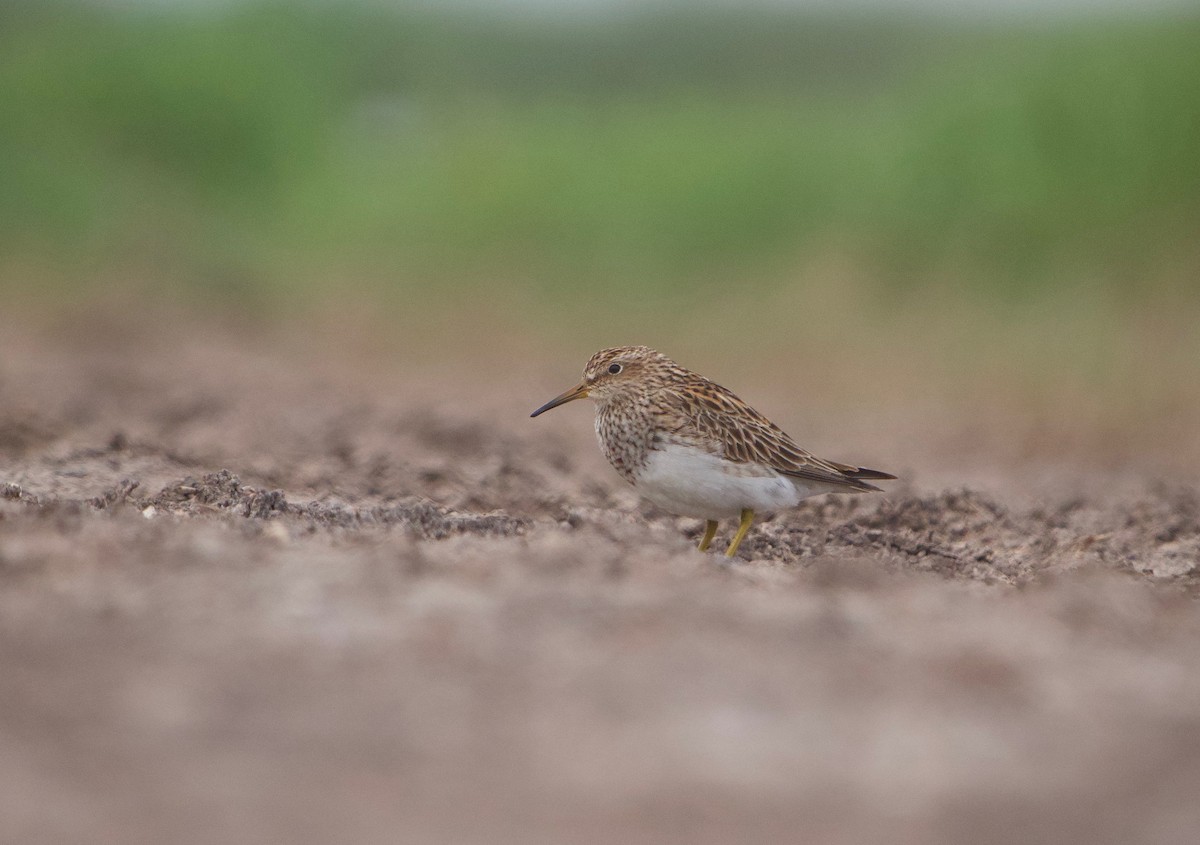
x=710, y=528
x=747, y=518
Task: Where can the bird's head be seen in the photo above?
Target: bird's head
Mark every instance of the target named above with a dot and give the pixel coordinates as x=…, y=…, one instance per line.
x=614, y=372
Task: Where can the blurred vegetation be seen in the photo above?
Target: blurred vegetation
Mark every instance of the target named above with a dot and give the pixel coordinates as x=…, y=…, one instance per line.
x=264, y=148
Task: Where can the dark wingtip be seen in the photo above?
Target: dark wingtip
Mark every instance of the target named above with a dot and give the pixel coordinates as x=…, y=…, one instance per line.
x=858, y=476
x=862, y=473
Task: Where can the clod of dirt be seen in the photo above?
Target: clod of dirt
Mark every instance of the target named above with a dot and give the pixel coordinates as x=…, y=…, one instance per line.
x=223, y=490
x=115, y=495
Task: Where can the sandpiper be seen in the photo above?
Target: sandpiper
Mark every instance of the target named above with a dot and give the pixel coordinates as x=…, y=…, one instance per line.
x=694, y=448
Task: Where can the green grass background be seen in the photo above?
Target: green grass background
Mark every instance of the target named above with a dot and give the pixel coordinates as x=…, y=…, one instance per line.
x=276, y=152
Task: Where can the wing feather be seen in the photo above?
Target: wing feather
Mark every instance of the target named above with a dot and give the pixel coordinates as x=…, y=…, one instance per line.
x=712, y=414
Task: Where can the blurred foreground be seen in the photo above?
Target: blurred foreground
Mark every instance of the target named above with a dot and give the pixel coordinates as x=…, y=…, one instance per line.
x=312, y=595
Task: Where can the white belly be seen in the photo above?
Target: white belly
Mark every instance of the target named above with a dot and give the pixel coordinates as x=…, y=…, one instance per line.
x=692, y=482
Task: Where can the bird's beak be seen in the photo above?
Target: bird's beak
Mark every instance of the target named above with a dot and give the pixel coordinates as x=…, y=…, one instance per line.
x=579, y=391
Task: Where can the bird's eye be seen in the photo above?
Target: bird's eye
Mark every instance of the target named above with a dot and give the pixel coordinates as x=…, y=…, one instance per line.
x=614, y=368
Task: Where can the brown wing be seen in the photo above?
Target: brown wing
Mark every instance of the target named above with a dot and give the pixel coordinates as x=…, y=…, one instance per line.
x=716, y=415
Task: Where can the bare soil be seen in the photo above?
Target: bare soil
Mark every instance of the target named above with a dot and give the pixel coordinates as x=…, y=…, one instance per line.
x=251, y=591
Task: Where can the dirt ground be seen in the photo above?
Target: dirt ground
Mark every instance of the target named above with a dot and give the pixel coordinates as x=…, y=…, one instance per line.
x=249, y=593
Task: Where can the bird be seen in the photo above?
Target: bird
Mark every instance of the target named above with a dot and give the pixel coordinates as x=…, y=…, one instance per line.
x=693, y=448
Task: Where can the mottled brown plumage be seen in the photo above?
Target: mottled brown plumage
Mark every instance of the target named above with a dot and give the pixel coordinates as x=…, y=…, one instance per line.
x=684, y=441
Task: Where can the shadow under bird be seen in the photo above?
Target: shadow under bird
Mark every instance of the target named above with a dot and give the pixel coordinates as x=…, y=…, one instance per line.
x=694, y=448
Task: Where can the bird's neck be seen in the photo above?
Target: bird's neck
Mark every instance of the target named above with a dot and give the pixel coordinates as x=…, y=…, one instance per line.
x=624, y=426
